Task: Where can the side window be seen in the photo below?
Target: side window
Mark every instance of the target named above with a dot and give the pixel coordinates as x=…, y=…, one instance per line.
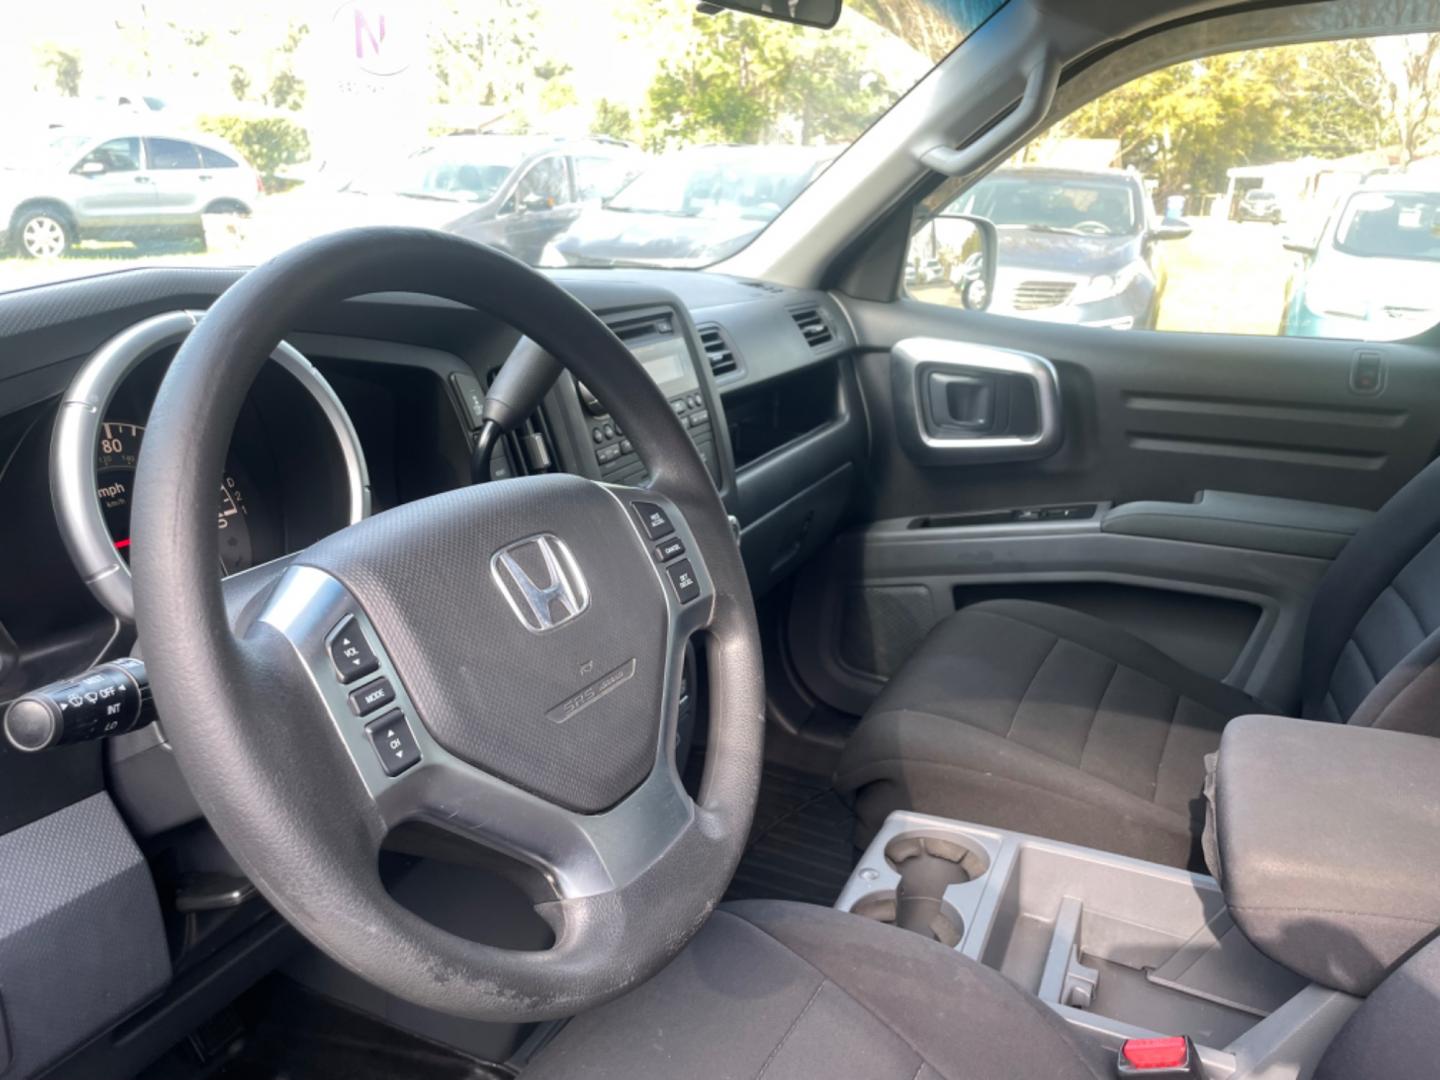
x=544, y=186
x=598, y=178
x=1292, y=190
x=116, y=155
x=172, y=154
x=213, y=159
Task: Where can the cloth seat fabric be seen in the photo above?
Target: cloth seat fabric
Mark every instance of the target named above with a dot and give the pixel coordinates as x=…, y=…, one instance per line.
x=770, y=990
x=1044, y=720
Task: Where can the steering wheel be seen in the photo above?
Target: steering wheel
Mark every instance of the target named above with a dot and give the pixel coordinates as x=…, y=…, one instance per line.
x=1092, y=228
x=502, y=661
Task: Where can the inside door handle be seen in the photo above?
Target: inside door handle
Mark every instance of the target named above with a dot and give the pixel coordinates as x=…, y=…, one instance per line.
x=961, y=401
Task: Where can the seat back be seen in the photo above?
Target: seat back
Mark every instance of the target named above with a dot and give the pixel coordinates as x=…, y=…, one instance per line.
x=1393, y=1034
x=1374, y=627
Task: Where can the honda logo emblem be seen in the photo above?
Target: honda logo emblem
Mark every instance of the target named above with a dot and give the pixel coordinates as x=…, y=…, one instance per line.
x=542, y=582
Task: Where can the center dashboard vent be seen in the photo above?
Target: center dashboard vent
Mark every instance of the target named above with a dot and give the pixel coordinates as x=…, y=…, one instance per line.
x=813, y=325
x=717, y=350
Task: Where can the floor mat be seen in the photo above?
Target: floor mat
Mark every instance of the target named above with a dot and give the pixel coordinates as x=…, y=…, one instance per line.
x=801, y=844
x=297, y=1035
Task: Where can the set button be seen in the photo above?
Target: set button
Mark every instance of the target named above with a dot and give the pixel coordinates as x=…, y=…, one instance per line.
x=682, y=577
x=350, y=654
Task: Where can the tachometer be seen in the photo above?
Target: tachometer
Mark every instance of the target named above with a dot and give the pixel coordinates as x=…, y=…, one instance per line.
x=115, y=459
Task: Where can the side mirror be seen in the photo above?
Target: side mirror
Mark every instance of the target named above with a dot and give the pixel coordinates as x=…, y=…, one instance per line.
x=966, y=248
x=1299, y=245
x=1172, y=229
x=91, y=168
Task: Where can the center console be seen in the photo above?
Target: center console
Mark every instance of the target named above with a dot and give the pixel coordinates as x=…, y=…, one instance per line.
x=1121, y=949
x=1326, y=841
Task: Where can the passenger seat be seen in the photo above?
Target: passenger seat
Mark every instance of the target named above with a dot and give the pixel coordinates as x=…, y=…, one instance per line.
x=1037, y=718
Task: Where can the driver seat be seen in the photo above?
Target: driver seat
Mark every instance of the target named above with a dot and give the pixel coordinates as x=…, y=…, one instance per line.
x=770, y=990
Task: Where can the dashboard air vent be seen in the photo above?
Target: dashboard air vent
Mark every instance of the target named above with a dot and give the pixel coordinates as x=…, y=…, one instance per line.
x=717, y=350
x=813, y=325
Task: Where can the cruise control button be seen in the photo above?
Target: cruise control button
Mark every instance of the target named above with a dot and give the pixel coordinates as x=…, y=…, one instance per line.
x=682, y=576
x=350, y=652
x=669, y=549
x=655, y=520
x=373, y=695
x=394, y=743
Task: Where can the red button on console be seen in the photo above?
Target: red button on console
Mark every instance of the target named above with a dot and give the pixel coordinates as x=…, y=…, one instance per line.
x=1169, y=1053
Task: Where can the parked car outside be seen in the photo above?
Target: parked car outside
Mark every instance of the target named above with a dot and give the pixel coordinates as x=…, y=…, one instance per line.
x=1260, y=205
x=1373, y=272
x=691, y=208
x=120, y=185
x=1076, y=246
x=513, y=192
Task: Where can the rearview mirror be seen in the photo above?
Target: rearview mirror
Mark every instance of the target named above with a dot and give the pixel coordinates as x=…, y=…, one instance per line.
x=952, y=261
x=818, y=13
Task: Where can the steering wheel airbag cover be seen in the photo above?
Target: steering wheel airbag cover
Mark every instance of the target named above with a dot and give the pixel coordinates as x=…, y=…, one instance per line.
x=460, y=649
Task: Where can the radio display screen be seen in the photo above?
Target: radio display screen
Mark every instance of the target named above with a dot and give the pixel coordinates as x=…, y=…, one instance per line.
x=668, y=363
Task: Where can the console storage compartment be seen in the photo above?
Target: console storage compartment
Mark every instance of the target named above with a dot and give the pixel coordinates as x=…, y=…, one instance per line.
x=1328, y=844
x=1254, y=522
x=1118, y=947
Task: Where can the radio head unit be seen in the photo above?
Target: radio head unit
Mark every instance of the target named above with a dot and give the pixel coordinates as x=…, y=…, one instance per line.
x=658, y=342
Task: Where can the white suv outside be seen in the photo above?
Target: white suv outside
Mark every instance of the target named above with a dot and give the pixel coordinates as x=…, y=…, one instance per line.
x=128, y=186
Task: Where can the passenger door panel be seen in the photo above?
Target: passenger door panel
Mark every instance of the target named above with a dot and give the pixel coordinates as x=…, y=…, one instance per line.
x=1142, y=416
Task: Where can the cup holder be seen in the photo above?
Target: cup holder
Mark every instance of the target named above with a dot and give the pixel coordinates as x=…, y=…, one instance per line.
x=939, y=922
x=928, y=865
x=916, y=849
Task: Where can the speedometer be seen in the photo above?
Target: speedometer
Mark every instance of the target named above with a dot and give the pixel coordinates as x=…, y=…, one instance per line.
x=115, y=459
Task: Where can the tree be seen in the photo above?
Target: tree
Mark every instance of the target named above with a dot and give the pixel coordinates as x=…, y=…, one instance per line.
x=835, y=94
x=64, y=68
x=1410, y=64
x=268, y=142
x=727, y=86
x=612, y=120
x=930, y=28
x=484, y=54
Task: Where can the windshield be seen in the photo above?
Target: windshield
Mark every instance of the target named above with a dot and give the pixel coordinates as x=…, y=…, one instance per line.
x=751, y=185
x=517, y=123
x=1391, y=224
x=465, y=172
x=1101, y=206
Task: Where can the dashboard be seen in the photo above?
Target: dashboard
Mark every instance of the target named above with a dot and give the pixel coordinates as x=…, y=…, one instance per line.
x=370, y=404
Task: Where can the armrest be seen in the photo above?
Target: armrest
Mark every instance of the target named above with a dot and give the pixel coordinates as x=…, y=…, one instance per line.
x=1328, y=844
x=1230, y=519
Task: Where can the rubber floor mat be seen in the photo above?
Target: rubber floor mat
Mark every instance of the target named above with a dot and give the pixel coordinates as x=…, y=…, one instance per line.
x=801, y=844
x=297, y=1035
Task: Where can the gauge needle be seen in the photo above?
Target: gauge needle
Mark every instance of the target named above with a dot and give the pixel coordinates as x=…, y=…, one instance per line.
x=121, y=545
